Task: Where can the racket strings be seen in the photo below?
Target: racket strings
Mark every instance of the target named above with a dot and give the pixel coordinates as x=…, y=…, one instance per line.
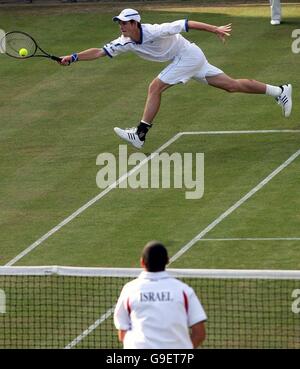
x=15, y=41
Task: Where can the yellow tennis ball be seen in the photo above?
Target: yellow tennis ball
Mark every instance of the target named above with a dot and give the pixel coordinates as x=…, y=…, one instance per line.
x=23, y=52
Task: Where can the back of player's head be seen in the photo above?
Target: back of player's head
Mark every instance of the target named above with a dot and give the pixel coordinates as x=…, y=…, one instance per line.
x=155, y=256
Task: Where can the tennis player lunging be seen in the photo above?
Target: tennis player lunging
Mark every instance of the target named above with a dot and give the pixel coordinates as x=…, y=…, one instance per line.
x=155, y=311
x=163, y=42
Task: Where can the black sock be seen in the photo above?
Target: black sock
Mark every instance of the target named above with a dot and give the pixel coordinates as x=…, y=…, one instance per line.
x=142, y=130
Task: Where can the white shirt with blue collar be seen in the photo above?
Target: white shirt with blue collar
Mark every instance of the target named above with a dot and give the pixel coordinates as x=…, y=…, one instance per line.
x=157, y=310
x=158, y=42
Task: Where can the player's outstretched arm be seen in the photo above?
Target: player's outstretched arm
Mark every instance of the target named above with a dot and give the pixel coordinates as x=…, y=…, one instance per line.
x=89, y=54
x=221, y=31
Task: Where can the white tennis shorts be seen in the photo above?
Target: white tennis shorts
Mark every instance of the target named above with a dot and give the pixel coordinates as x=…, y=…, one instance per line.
x=191, y=64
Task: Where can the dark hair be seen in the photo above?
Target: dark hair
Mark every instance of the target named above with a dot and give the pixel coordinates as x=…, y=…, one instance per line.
x=134, y=21
x=155, y=256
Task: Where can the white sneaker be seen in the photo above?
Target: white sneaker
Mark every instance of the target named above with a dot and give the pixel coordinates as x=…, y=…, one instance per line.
x=285, y=100
x=129, y=135
x=275, y=22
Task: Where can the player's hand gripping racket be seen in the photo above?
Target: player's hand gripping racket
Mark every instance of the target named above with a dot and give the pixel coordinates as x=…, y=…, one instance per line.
x=14, y=43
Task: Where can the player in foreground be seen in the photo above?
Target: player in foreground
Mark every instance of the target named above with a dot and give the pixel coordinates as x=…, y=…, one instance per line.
x=163, y=42
x=157, y=311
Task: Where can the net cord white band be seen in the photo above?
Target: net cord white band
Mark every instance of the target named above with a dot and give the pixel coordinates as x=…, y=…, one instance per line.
x=134, y=272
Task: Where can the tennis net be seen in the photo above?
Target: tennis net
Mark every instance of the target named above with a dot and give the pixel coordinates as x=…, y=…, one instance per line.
x=66, y=307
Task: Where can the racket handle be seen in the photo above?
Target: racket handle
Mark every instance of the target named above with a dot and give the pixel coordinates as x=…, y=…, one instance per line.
x=56, y=58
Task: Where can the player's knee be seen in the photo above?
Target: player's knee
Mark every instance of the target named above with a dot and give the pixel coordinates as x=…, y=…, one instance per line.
x=154, y=87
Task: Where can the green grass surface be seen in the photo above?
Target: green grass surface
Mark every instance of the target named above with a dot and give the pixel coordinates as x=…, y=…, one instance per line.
x=55, y=121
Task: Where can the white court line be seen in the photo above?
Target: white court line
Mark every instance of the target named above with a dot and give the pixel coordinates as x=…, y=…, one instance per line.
x=123, y=178
x=91, y=328
x=241, y=132
x=218, y=220
x=126, y=175
x=91, y=202
x=252, y=239
x=234, y=207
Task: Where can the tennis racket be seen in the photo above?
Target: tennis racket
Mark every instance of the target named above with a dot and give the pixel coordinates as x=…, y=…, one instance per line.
x=13, y=41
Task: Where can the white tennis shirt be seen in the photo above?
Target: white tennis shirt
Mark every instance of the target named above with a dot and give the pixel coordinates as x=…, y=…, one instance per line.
x=159, y=42
x=157, y=310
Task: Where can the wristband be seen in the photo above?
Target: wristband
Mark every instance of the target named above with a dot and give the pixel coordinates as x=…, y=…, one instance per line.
x=74, y=58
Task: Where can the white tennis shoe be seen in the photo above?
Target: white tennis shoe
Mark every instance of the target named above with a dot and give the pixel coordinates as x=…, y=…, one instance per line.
x=130, y=135
x=285, y=100
x=275, y=22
